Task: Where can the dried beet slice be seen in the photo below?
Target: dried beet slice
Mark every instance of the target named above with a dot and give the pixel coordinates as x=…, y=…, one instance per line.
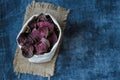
x=24, y=38
x=27, y=51
x=52, y=38
x=21, y=38
x=44, y=31
x=35, y=33
x=32, y=26
x=29, y=40
x=45, y=42
x=42, y=17
x=42, y=46
x=46, y=24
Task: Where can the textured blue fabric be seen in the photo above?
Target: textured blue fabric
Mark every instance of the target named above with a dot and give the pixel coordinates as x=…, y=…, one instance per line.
x=91, y=44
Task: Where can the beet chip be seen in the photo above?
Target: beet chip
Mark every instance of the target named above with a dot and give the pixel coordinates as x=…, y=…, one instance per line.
x=42, y=46
x=44, y=31
x=46, y=24
x=24, y=38
x=27, y=51
x=38, y=34
x=52, y=38
x=45, y=42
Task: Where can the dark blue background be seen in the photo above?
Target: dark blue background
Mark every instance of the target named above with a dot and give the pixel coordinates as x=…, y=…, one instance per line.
x=91, y=44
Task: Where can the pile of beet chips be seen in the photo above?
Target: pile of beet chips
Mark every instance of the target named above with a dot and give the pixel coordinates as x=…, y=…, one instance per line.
x=39, y=36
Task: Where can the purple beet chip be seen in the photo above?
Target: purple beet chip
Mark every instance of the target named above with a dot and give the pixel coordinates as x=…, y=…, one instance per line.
x=46, y=24
x=42, y=46
x=52, y=38
x=21, y=38
x=36, y=34
x=27, y=51
x=24, y=38
x=44, y=31
x=45, y=42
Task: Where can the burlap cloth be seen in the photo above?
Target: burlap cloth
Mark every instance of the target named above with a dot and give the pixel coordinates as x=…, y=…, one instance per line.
x=21, y=64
